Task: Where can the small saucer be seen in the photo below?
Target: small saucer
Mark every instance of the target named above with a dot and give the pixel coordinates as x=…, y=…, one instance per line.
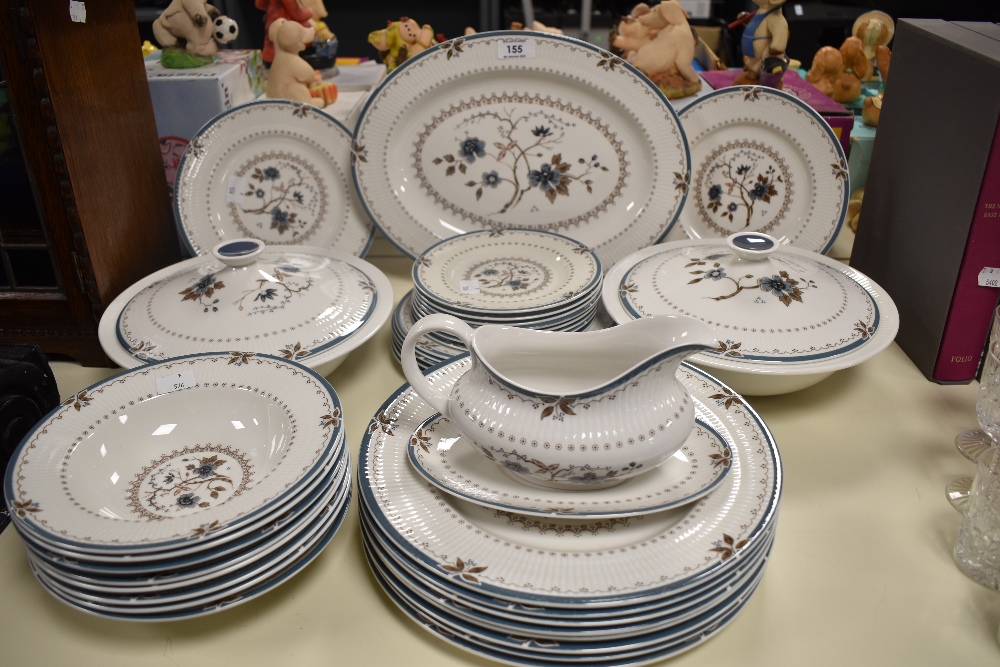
x=438, y=454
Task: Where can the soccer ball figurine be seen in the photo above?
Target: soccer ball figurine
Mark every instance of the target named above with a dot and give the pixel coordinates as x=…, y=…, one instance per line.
x=225, y=30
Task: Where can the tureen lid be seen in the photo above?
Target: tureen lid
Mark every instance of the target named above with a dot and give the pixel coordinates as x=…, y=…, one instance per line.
x=295, y=302
x=768, y=302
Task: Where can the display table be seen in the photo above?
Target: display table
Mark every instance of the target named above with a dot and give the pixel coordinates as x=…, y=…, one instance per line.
x=861, y=572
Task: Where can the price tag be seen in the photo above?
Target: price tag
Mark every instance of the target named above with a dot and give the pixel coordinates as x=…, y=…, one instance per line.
x=234, y=194
x=169, y=383
x=469, y=287
x=77, y=12
x=515, y=47
x=989, y=277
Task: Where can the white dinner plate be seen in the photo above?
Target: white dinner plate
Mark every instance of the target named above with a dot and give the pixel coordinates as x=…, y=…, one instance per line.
x=273, y=170
x=762, y=160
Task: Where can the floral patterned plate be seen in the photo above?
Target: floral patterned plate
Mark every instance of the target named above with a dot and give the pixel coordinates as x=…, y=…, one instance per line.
x=504, y=273
x=172, y=456
x=437, y=452
x=572, y=562
x=305, y=303
x=272, y=170
x=786, y=318
x=529, y=130
x=763, y=160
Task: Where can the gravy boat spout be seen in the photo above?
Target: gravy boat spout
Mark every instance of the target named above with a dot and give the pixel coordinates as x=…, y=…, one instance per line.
x=568, y=410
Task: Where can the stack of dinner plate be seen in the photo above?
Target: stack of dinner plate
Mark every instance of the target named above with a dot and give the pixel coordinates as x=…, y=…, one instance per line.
x=533, y=576
x=182, y=487
x=517, y=277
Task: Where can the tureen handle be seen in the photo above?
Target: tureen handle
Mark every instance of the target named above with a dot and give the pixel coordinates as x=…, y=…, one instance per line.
x=238, y=252
x=752, y=246
x=436, y=396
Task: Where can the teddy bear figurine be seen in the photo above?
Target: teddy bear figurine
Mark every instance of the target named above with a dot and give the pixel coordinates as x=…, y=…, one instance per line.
x=291, y=77
x=291, y=10
x=401, y=40
x=186, y=29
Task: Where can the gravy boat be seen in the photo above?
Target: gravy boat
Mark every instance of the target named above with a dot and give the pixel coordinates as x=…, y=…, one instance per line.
x=568, y=410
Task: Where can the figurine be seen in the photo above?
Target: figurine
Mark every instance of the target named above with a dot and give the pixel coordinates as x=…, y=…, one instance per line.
x=874, y=29
x=630, y=34
x=273, y=10
x=838, y=72
x=291, y=76
x=764, y=40
x=186, y=30
x=871, y=107
x=322, y=53
x=400, y=40
x=666, y=58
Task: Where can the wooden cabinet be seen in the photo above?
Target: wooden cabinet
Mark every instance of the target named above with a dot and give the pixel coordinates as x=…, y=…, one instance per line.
x=84, y=209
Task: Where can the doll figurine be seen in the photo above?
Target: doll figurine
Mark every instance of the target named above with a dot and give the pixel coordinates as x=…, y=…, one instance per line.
x=764, y=40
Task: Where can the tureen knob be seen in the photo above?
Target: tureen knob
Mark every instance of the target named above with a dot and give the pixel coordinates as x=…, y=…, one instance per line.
x=752, y=246
x=238, y=252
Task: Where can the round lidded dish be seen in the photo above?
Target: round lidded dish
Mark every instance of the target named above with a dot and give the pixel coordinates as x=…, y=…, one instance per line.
x=311, y=305
x=785, y=318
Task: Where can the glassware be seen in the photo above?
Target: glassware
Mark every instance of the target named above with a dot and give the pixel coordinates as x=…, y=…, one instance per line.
x=988, y=403
x=977, y=549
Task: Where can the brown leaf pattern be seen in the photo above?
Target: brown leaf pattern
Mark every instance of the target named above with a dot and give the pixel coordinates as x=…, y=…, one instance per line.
x=464, y=570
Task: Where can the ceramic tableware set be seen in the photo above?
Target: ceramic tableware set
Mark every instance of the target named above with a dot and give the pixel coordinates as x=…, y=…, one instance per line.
x=240, y=479
x=515, y=277
x=216, y=468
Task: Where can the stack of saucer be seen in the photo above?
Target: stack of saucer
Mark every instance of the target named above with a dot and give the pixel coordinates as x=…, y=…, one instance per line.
x=529, y=576
x=517, y=277
x=182, y=487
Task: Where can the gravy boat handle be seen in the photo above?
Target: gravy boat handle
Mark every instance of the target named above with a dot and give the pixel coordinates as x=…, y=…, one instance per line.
x=436, y=396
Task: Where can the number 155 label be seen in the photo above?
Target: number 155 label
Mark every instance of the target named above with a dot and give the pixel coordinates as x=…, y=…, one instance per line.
x=515, y=48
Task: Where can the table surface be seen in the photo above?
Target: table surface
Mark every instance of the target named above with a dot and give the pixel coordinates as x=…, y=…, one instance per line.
x=861, y=572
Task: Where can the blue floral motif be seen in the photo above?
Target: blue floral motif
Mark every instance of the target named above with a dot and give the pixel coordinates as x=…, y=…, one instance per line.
x=545, y=178
x=776, y=285
x=514, y=466
x=264, y=295
x=472, y=148
x=207, y=468
x=187, y=500
x=491, y=179
x=742, y=169
x=758, y=191
x=271, y=174
x=297, y=196
x=718, y=273
x=279, y=219
x=490, y=272
x=541, y=131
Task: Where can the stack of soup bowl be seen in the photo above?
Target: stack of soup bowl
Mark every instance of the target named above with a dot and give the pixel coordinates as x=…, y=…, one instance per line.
x=183, y=487
x=516, y=277
x=490, y=514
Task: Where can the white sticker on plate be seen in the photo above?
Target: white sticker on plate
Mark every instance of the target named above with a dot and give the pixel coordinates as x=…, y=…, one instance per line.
x=989, y=277
x=234, y=194
x=515, y=47
x=169, y=383
x=469, y=287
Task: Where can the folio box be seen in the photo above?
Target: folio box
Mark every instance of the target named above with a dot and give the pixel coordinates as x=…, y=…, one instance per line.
x=930, y=221
x=185, y=99
x=840, y=119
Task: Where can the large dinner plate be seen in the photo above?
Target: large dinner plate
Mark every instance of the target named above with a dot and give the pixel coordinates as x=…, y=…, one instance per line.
x=565, y=562
x=510, y=129
x=763, y=160
x=272, y=170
